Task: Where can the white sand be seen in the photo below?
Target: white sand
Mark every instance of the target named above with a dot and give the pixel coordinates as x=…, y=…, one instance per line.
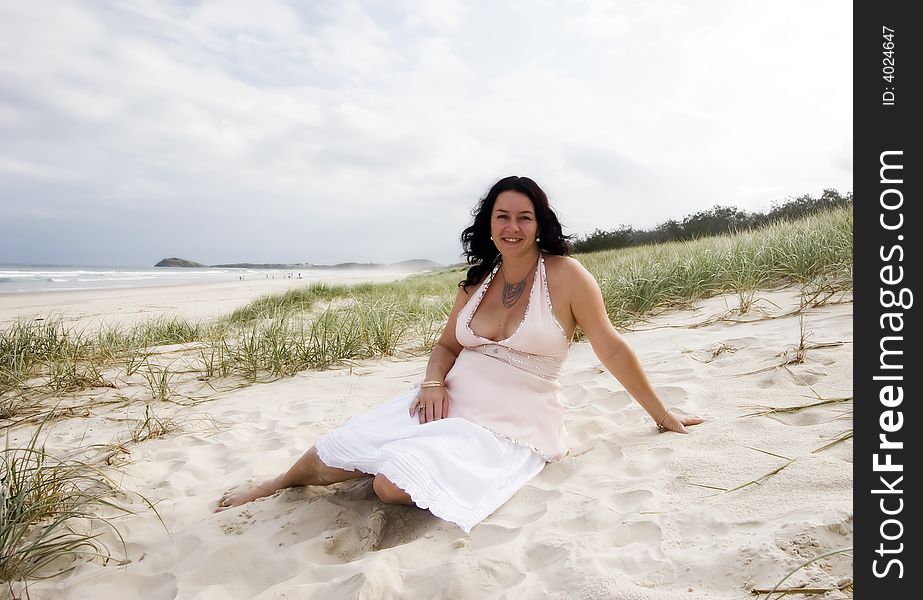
x=629, y=514
x=196, y=301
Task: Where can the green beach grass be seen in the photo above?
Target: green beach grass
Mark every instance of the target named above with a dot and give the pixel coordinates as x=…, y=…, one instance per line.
x=320, y=325
x=814, y=254
x=54, y=509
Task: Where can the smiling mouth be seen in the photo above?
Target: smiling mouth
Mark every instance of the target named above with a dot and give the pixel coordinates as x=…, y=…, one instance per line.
x=511, y=240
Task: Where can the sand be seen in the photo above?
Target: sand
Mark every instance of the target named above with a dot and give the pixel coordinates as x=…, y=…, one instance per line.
x=90, y=308
x=628, y=514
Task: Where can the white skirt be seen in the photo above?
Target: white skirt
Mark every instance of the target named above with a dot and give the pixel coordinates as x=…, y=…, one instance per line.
x=458, y=470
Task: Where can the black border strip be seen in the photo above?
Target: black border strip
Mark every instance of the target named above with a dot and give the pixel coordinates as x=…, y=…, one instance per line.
x=887, y=236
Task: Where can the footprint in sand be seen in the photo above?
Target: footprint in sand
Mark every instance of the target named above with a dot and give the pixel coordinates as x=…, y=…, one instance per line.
x=635, y=547
x=627, y=502
x=558, y=472
x=532, y=503
x=489, y=534
x=673, y=395
x=601, y=401
x=244, y=416
x=650, y=462
x=647, y=533
x=806, y=377
x=582, y=377
x=774, y=378
x=598, y=451
x=545, y=553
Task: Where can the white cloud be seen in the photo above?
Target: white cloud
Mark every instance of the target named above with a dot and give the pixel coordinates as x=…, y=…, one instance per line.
x=291, y=122
x=438, y=15
x=597, y=19
x=13, y=166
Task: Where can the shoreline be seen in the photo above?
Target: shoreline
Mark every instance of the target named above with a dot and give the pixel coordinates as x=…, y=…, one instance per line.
x=129, y=305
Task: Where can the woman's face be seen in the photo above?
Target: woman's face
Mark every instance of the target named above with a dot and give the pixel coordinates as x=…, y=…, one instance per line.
x=513, y=225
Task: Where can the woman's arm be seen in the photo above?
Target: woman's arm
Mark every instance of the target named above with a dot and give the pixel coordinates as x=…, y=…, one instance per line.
x=441, y=360
x=613, y=351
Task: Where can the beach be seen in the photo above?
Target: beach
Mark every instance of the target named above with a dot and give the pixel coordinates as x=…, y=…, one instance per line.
x=763, y=486
x=199, y=300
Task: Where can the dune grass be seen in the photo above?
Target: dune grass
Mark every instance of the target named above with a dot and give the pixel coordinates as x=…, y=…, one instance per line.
x=845, y=586
x=814, y=254
x=52, y=509
x=321, y=325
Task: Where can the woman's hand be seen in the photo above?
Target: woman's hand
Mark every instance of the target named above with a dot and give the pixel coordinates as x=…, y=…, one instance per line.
x=674, y=422
x=431, y=404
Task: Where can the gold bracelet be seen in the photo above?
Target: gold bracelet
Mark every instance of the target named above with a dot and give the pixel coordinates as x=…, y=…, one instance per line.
x=660, y=425
x=430, y=384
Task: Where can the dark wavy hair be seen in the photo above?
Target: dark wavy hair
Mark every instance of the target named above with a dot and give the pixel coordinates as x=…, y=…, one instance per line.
x=481, y=253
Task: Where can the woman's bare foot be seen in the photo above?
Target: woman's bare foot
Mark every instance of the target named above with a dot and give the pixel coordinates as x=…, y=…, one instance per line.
x=247, y=492
x=307, y=470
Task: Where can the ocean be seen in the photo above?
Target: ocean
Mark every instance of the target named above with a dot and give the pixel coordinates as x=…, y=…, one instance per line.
x=22, y=278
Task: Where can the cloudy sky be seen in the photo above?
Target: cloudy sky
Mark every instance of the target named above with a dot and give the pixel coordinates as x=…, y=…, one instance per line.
x=366, y=130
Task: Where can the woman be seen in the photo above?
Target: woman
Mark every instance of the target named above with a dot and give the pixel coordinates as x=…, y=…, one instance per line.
x=487, y=416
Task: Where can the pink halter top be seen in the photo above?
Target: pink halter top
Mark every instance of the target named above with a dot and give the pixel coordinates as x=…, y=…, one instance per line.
x=511, y=386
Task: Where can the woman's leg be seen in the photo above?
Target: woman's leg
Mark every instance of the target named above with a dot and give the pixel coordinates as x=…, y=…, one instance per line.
x=388, y=492
x=307, y=470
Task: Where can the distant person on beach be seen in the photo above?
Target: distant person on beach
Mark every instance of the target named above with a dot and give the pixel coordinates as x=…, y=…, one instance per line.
x=487, y=416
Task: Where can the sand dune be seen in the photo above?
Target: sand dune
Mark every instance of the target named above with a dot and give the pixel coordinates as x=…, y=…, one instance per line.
x=628, y=514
